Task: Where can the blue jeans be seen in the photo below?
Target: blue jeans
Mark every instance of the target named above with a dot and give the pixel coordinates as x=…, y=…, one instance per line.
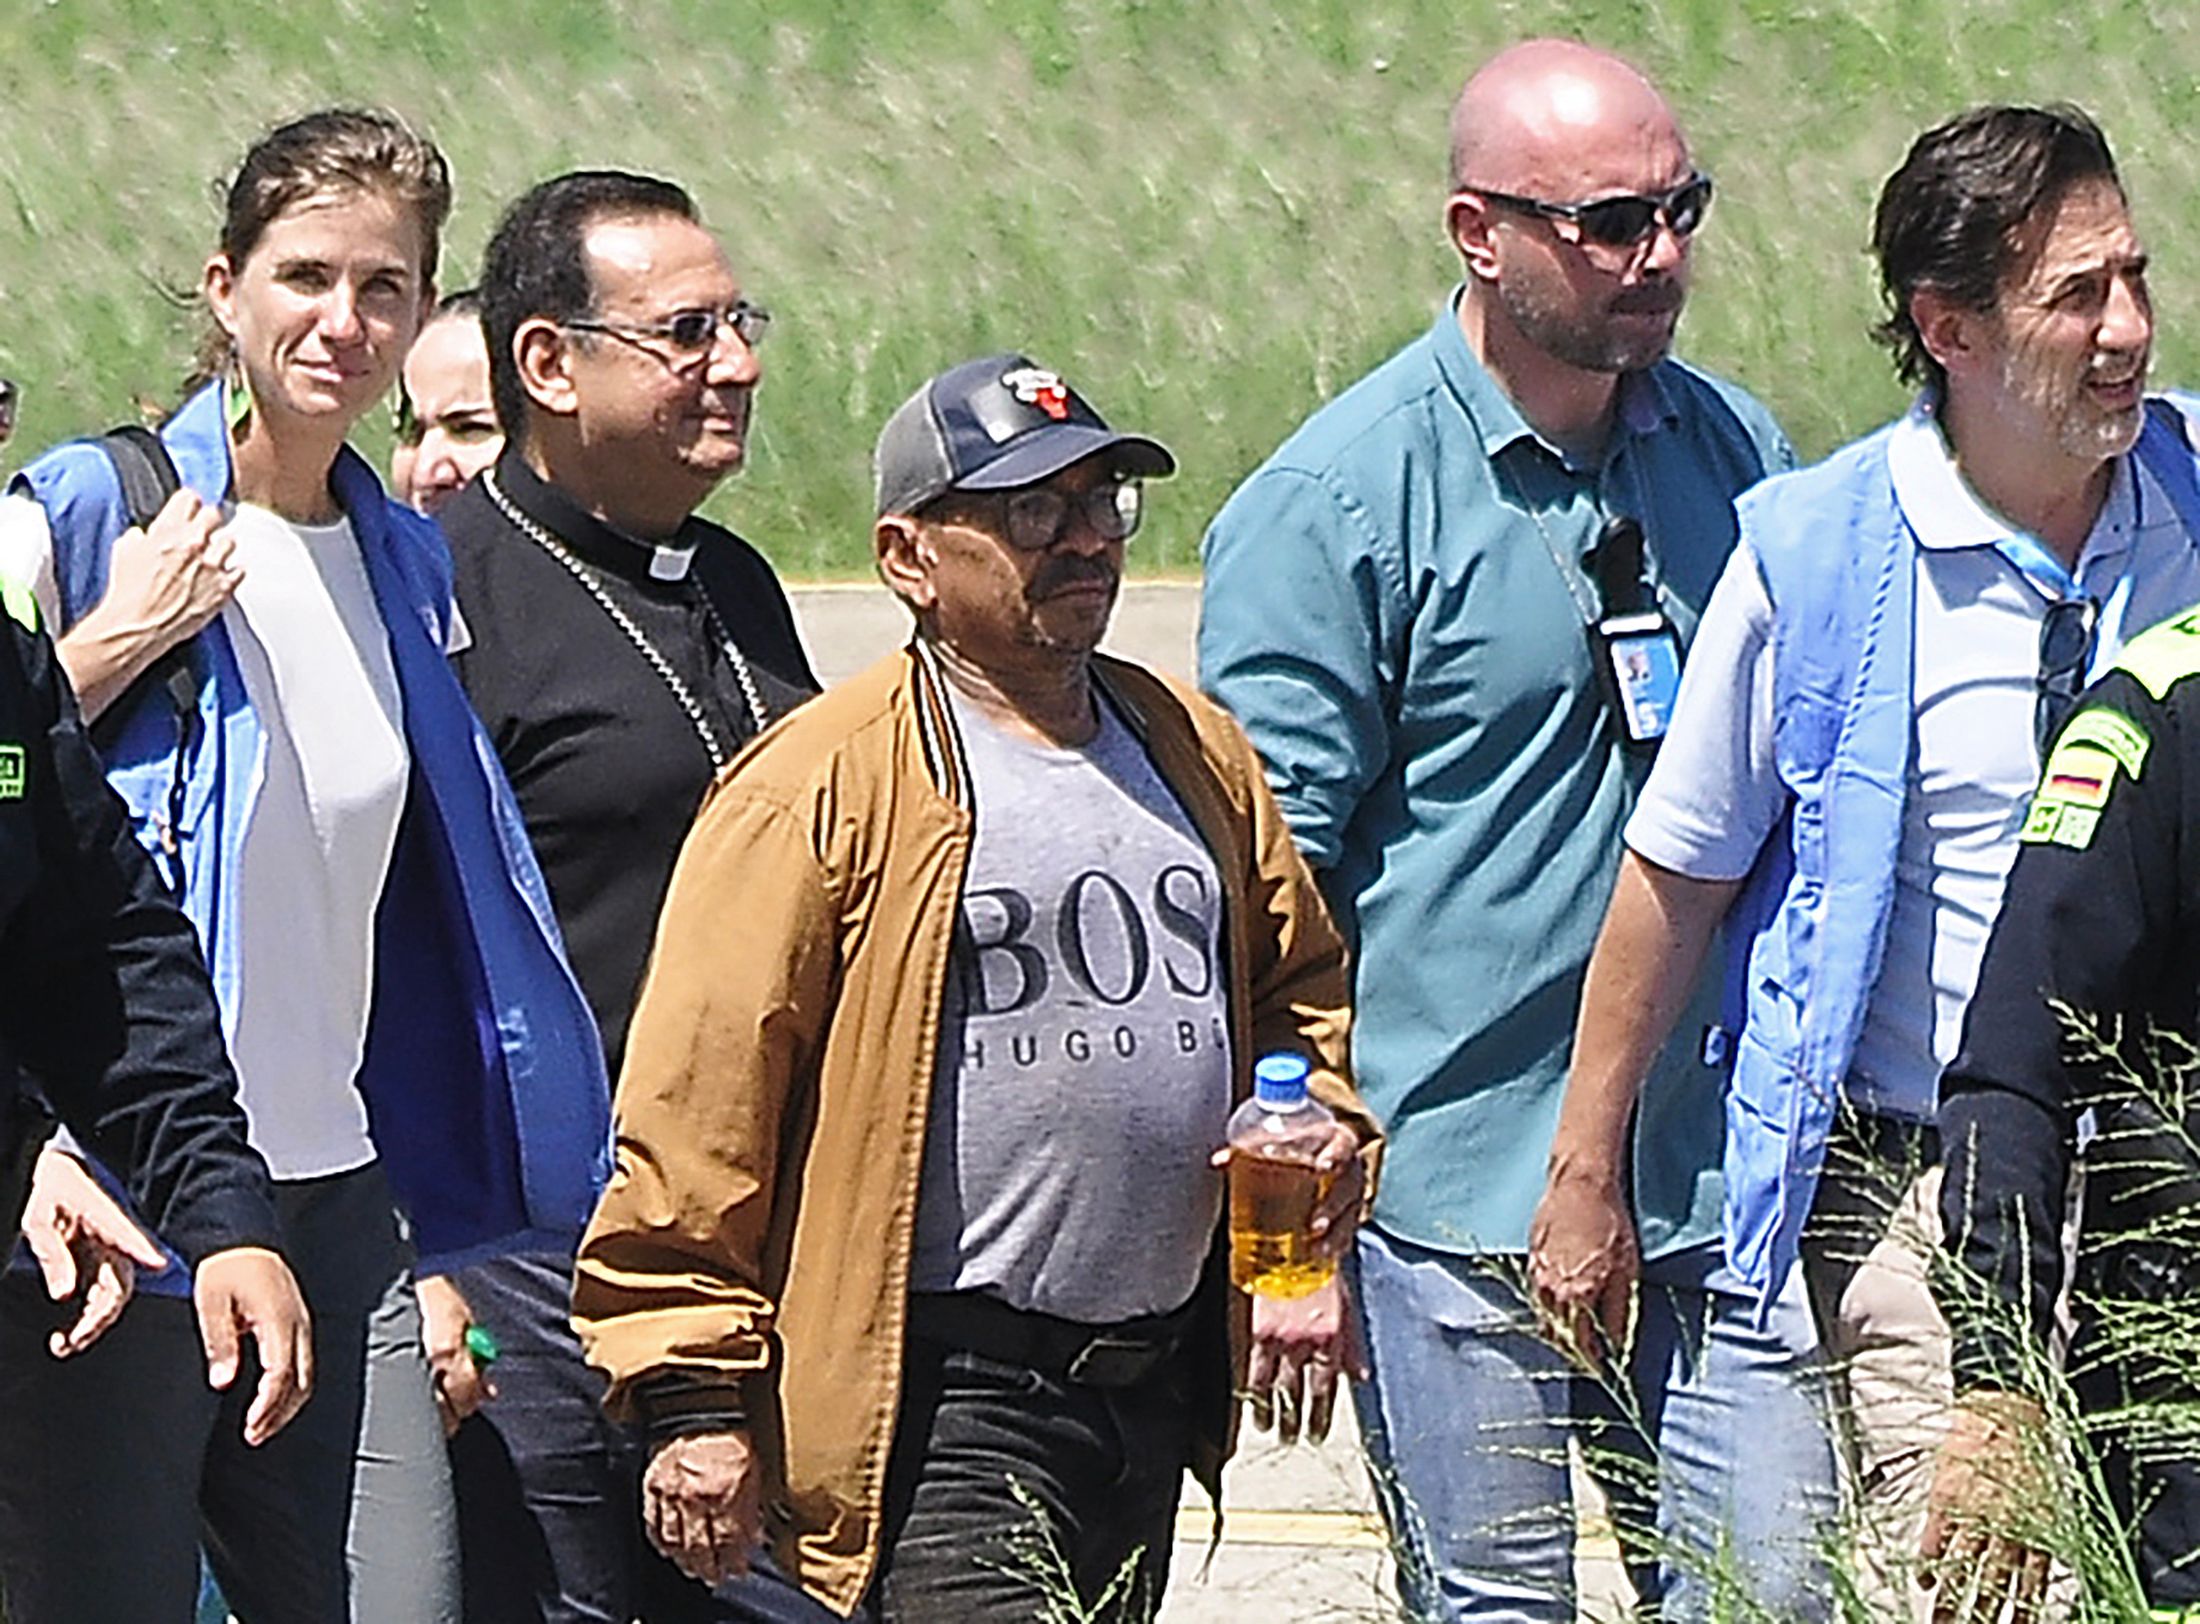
x=1715, y=1451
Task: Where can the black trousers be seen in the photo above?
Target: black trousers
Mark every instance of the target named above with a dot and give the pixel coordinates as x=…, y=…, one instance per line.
x=1006, y=1484
x=117, y=1464
x=2154, y=1483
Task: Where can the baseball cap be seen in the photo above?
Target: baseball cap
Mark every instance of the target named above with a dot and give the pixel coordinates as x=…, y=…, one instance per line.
x=993, y=425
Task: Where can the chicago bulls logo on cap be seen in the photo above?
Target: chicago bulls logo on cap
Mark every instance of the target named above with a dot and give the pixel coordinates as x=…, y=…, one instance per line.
x=1035, y=386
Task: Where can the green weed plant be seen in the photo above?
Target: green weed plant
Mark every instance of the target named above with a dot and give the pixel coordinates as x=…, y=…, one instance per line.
x=1032, y=1553
x=2142, y=1106
x=2142, y=1096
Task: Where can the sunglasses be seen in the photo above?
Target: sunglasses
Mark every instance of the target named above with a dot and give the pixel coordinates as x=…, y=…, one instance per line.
x=1623, y=221
x=2066, y=649
x=1035, y=519
x=688, y=336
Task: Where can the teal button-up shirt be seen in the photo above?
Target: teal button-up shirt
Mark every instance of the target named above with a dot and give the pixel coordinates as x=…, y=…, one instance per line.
x=1396, y=606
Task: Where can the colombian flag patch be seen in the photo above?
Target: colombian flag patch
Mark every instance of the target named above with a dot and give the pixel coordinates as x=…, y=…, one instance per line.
x=2080, y=776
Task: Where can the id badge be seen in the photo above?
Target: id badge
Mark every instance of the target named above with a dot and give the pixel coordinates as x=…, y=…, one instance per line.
x=1642, y=653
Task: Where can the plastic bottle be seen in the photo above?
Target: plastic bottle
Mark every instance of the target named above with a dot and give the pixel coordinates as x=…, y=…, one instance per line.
x=1274, y=1184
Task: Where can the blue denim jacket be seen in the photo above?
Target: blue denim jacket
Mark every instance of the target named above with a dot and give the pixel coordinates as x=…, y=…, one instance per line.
x=1805, y=939
x=483, y=1074
x=1395, y=607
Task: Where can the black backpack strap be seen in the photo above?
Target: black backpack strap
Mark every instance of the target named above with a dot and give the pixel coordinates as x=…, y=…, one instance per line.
x=149, y=478
x=147, y=472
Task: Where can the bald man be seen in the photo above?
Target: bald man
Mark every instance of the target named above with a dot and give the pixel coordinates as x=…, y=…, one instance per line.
x=1451, y=610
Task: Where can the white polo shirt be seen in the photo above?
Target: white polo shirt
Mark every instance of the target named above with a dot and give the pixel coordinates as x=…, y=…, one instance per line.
x=1714, y=796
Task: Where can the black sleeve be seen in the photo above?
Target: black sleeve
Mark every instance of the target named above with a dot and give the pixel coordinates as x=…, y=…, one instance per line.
x=755, y=607
x=2007, y=1163
x=789, y=638
x=473, y=593
x=105, y=998
x=2092, y=910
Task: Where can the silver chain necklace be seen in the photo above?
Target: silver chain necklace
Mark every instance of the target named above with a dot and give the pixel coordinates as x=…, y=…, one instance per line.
x=679, y=690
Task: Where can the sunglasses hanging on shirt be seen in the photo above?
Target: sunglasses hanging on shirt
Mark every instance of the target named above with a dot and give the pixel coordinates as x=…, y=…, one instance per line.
x=1637, y=648
x=2067, y=634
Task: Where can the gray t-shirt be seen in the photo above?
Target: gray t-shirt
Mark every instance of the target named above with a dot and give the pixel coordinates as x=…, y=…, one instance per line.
x=1084, y=1071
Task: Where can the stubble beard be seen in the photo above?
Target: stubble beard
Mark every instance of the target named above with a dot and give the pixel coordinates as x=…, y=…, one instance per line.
x=1060, y=631
x=2083, y=430
x=1598, y=342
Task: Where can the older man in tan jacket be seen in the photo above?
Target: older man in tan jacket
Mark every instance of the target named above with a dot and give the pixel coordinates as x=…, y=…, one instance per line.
x=915, y=1235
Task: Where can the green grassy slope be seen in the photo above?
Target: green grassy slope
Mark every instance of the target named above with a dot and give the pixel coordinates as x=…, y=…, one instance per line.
x=1211, y=213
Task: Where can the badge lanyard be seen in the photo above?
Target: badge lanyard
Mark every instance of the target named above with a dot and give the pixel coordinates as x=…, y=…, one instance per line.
x=2057, y=583
x=1632, y=643
x=1570, y=574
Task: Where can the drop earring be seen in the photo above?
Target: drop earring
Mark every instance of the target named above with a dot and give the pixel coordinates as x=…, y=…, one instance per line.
x=240, y=398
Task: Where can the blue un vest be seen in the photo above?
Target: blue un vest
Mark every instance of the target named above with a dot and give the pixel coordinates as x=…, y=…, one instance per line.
x=1807, y=932
x=483, y=1072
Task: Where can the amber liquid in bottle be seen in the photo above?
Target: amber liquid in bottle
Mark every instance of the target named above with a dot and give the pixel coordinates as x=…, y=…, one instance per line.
x=1275, y=1139
x=1271, y=1201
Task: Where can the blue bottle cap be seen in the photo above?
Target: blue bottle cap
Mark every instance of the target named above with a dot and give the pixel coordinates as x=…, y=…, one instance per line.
x=1280, y=1079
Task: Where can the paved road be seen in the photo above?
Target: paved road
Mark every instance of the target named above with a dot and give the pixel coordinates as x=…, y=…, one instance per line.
x=1301, y=1540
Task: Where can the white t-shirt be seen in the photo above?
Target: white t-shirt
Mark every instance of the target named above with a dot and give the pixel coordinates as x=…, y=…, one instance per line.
x=26, y=552
x=1714, y=796
x=316, y=663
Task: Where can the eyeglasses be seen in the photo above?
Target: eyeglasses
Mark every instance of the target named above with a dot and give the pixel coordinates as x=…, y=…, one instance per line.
x=2066, y=648
x=1035, y=519
x=1623, y=221
x=688, y=336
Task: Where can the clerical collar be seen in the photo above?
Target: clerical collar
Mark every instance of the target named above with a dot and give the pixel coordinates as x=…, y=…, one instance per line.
x=603, y=543
x=670, y=563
